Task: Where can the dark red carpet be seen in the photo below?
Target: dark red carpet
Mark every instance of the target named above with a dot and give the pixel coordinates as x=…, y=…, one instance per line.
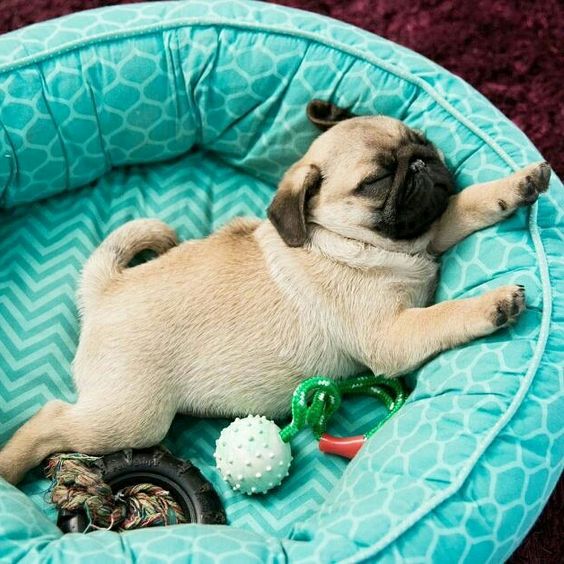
x=510, y=50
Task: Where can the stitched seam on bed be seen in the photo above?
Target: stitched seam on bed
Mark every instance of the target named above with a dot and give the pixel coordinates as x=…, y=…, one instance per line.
x=443, y=495
x=310, y=36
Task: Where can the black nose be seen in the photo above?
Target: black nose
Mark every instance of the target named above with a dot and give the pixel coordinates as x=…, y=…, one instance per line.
x=417, y=165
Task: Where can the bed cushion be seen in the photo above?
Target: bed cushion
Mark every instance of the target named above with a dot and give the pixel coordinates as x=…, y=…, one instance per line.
x=190, y=112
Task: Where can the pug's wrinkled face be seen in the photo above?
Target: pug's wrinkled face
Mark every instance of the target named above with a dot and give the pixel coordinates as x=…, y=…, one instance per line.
x=363, y=178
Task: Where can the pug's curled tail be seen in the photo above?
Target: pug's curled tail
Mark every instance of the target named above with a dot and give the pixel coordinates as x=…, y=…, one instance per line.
x=114, y=254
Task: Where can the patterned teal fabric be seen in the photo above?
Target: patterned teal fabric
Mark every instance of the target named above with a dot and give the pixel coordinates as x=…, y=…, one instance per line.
x=190, y=112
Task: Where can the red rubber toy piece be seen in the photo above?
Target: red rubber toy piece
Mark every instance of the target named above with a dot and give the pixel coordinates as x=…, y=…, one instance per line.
x=347, y=447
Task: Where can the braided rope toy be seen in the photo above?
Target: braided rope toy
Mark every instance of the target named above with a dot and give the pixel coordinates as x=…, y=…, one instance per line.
x=253, y=454
x=79, y=486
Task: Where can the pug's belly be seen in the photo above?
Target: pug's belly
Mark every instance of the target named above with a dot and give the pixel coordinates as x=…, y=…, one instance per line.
x=261, y=386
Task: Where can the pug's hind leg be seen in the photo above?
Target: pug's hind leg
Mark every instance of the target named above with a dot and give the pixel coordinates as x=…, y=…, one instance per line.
x=420, y=333
x=483, y=205
x=94, y=426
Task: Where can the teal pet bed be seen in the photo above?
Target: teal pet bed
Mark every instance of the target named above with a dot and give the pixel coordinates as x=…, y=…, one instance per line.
x=190, y=112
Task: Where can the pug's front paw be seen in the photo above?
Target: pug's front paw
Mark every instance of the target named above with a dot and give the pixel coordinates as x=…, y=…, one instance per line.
x=502, y=306
x=533, y=183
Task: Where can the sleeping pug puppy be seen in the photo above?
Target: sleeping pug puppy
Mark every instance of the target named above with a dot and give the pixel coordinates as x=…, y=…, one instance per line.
x=339, y=278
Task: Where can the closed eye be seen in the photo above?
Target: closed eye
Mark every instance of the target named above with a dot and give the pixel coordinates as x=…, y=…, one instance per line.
x=375, y=186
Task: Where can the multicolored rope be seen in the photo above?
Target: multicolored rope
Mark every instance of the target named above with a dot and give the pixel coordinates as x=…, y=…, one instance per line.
x=78, y=486
x=316, y=400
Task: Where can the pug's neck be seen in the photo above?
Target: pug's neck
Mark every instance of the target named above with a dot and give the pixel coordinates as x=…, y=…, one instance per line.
x=372, y=252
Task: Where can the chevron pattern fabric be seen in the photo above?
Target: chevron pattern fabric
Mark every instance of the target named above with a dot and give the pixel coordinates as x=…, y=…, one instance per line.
x=190, y=112
x=196, y=195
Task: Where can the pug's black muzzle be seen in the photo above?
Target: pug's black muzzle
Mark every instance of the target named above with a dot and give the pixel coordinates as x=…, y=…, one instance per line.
x=419, y=194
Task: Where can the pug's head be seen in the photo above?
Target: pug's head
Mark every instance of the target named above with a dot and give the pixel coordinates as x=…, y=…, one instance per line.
x=364, y=178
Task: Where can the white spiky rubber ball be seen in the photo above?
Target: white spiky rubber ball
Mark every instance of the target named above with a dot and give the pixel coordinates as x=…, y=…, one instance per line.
x=251, y=456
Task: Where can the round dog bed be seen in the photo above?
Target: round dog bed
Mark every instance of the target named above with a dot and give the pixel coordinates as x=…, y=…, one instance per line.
x=190, y=112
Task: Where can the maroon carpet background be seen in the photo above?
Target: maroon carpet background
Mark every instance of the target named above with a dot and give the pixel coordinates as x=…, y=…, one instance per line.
x=512, y=51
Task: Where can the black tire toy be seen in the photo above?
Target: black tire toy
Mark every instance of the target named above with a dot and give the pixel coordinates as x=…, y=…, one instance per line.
x=185, y=483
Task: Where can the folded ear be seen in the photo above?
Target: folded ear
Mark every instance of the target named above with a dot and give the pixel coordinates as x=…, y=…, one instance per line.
x=326, y=115
x=288, y=208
